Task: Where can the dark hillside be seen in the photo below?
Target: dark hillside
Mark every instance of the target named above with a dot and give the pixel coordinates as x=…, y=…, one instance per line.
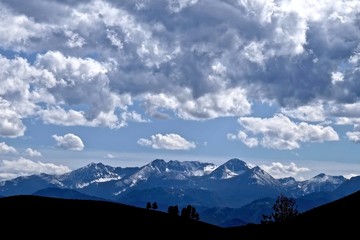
x=339, y=218
x=43, y=217
x=35, y=216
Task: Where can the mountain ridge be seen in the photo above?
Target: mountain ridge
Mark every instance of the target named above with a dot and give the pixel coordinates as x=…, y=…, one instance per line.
x=232, y=184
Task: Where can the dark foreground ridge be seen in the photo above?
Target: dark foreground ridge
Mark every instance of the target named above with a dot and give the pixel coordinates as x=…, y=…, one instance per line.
x=45, y=216
x=48, y=217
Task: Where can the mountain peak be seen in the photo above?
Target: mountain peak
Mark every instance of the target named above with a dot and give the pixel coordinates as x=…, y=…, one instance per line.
x=230, y=169
x=235, y=165
x=157, y=162
x=93, y=172
x=95, y=165
x=321, y=175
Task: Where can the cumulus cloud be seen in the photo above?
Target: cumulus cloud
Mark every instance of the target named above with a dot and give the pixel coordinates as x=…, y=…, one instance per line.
x=32, y=153
x=69, y=142
x=279, y=132
x=23, y=167
x=230, y=102
x=279, y=170
x=168, y=141
x=192, y=59
x=4, y=148
x=310, y=113
x=353, y=136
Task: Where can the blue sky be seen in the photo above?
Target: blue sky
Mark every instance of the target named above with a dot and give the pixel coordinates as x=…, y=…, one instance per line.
x=274, y=83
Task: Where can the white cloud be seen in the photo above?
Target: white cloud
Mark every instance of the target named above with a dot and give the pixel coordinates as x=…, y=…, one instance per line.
x=75, y=40
x=157, y=55
x=69, y=142
x=279, y=132
x=243, y=137
x=32, y=153
x=254, y=52
x=17, y=29
x=4, y=148
x=10, y=123
x=229, y=102
x=310, y=113
x=109, y=155
x=353, y=136
x=168, y=141
x=337, y=77
x=24, y=167
x=346, y=110
x=279, y=170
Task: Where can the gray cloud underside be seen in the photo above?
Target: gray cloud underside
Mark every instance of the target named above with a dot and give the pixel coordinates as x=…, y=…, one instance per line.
x=196, y=59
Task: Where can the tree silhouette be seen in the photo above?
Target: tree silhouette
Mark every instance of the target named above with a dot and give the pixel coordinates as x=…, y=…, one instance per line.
x=173, y=210
x=148, y=205
x=283, y=209
x=190, y=213
x=155, y=206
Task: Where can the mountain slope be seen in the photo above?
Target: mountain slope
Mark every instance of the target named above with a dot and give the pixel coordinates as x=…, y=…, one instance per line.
x=66, y=218
x=28, y=184
x=337, y=218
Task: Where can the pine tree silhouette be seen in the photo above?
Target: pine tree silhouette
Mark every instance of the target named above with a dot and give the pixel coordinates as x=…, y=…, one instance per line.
x=283, y=209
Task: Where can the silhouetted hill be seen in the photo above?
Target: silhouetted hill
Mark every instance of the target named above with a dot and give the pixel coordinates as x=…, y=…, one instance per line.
x=337, y=218
x=36, y=216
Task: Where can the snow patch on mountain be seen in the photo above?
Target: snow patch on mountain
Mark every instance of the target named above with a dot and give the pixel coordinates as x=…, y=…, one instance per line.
x=232, y=168
x=263, y=178
x=321, y=182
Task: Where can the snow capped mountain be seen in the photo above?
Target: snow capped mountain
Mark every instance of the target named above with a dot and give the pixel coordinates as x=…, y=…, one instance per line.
x=263, y=178
x=28, y=184
x=232, y=184
x=172, y=170
x=289, y=181
x=321, y=182
x=91, y=173
x=232, y=168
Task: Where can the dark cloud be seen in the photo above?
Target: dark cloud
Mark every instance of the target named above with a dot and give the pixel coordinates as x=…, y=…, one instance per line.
x=198, y=59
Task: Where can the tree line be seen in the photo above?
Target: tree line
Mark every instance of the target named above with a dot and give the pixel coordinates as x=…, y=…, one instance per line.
x=188, y=212
x=284, y=209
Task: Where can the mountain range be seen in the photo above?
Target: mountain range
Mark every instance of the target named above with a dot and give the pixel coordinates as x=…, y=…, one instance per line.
x=233, y=193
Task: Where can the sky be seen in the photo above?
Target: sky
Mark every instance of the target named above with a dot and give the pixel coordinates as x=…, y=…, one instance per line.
x=275, y=83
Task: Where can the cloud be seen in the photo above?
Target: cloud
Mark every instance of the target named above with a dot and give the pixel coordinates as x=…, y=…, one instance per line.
x=23, y=167
x=279, y=132
x=32, y=153
x=109, y=155
x=230, y=102
x=10, y=122
x=168, y=141
x=69, y=142
x=351, y=110
x=17, y=29
x=23, y=86
x=310, y=113
x=279, y=170
x=190, y=59
x=4, y=148
x=353, y=136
